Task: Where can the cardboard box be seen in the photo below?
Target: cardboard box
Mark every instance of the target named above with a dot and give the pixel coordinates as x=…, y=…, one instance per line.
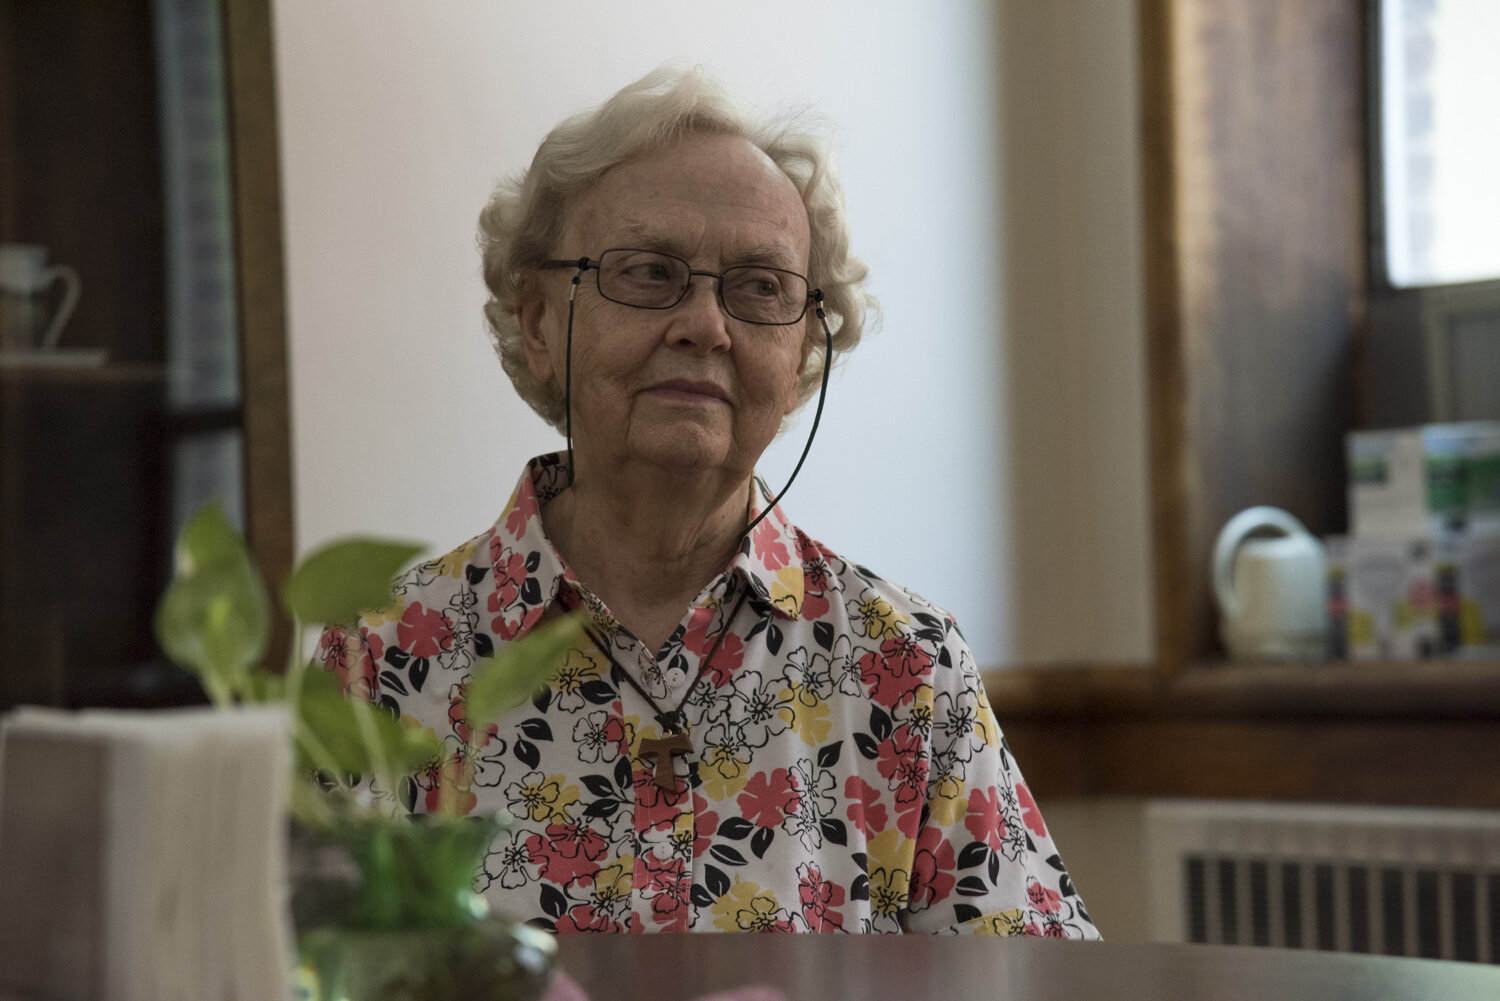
x=1433, y=480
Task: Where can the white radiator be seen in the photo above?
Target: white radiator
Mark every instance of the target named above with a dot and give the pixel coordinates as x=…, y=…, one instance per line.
x=1405, y=882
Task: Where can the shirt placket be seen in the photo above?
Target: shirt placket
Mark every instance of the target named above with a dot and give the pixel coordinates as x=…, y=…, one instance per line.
x=662, y=876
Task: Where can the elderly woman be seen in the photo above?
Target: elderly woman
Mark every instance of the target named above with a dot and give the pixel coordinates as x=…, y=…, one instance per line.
x=760, y=735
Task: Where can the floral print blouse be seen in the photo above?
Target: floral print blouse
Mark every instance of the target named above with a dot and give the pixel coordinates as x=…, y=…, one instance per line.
x=847, y=773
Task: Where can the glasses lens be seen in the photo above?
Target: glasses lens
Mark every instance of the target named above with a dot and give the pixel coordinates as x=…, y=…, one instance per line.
x=642, y=278
x=764, y=295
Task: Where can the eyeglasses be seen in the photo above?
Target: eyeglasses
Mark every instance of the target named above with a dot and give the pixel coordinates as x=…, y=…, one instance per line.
x=649, y=279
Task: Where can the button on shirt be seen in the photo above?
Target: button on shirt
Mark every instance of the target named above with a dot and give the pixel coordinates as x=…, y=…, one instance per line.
x=846, y=772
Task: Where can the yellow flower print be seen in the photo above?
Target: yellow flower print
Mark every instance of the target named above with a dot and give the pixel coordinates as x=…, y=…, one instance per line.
x=985, y=726
x=373, y=620
x=746, y=908
x=786, y=591
x=612, y=884
x=539, y=797
x=890, y=849
x=453, y=564
x=811, y=720
x=888, y=890
x=724, y=775
x=949, y=802
x=1010, y=923
x=874, y=617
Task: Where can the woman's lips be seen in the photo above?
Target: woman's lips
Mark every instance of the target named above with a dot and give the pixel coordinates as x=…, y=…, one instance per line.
x=687, y=391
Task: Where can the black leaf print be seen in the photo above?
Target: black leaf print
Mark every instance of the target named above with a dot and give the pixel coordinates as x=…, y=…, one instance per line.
x=944, y=657
x=994, y=868
x=417, y=675
x=701, y=897
x=392, y=680
x=474, y=574
x=716, y=881
x=536, y=729
x=527, y=753
x=396, y=657
x=409, y=793
x=531, y=591
x=623, y=777
x=773, y=638
x=1065, y=886
x=542, y=699
x=833, y=830
x=860, y=888
x=598, y=692
x=533, y=560
x=862, y=860
x=1055, y=861
x=678, y=663
x=972, y=886
x=965, y=912
x=828, y=756
x=867, y=745
x=755, y=630
x=928, y=620
x=762, y=841
x=553, y=901
x=823, y=633
x=598, y=785
x=974, y=853
x=933, y=636
x=483, y=645
x=736, y=828
x=603, y=808
x=727, y=855
x=880, y=723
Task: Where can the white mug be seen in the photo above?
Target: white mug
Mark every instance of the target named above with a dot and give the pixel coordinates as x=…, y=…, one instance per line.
x=25, y=279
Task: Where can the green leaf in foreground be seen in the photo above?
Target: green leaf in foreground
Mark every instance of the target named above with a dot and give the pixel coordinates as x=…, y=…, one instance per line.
x=503, y=680
x=341, y=580
x=332, y=720
x=215, y=618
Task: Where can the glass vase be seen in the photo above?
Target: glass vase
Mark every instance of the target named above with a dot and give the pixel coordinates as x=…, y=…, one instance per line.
x=414, y=928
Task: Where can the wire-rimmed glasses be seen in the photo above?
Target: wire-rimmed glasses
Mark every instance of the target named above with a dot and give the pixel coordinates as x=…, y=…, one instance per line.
x=650, y=279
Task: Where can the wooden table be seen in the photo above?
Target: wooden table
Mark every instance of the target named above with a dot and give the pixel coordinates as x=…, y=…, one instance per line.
x=899, y=968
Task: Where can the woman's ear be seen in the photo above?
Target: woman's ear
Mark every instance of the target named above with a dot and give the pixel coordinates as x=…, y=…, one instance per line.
x=531, y=312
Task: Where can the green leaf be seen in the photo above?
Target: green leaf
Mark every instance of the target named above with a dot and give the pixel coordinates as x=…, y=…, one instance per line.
x=333, y=720
x=341, y=580
x=214, y=618
x=503, y=680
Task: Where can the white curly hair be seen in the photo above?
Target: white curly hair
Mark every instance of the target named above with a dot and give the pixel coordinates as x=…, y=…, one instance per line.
x=526, y=213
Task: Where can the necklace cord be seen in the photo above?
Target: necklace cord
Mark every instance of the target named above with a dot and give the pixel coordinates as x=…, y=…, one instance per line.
x=675, y=714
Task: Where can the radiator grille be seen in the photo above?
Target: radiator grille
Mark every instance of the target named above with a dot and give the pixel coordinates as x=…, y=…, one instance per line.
x=1397, y=882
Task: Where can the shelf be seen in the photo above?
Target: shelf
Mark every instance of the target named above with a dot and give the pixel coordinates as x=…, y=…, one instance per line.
x=1343, y=690
x=62, y=374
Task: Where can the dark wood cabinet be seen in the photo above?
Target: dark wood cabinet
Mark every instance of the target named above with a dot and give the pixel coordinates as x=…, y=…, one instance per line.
x=138, y=144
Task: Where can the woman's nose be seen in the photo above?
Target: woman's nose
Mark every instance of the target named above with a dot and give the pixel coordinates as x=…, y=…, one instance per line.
x=699, y=319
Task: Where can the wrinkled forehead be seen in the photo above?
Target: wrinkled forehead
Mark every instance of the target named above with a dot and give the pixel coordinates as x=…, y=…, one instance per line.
x=715, y=189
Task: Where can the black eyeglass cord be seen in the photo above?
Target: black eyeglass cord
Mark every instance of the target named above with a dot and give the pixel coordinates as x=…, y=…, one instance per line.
x=817, y=295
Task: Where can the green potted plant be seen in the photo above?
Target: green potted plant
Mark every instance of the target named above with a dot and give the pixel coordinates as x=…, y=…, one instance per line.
x=413, y=927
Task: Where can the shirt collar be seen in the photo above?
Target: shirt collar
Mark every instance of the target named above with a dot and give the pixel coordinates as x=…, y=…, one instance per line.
x=768, y=561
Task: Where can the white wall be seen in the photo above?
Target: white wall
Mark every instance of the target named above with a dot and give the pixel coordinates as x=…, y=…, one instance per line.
x=397, y=118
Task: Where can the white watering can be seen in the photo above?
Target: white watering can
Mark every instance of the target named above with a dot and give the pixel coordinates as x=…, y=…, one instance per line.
x=1272, y=592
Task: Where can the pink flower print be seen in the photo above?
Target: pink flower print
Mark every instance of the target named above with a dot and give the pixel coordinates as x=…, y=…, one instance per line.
x=986, y=817
x=424, y=633
x=769, y=797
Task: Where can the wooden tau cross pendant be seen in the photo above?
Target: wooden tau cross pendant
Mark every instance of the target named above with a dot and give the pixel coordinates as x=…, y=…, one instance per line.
x=665, y=750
